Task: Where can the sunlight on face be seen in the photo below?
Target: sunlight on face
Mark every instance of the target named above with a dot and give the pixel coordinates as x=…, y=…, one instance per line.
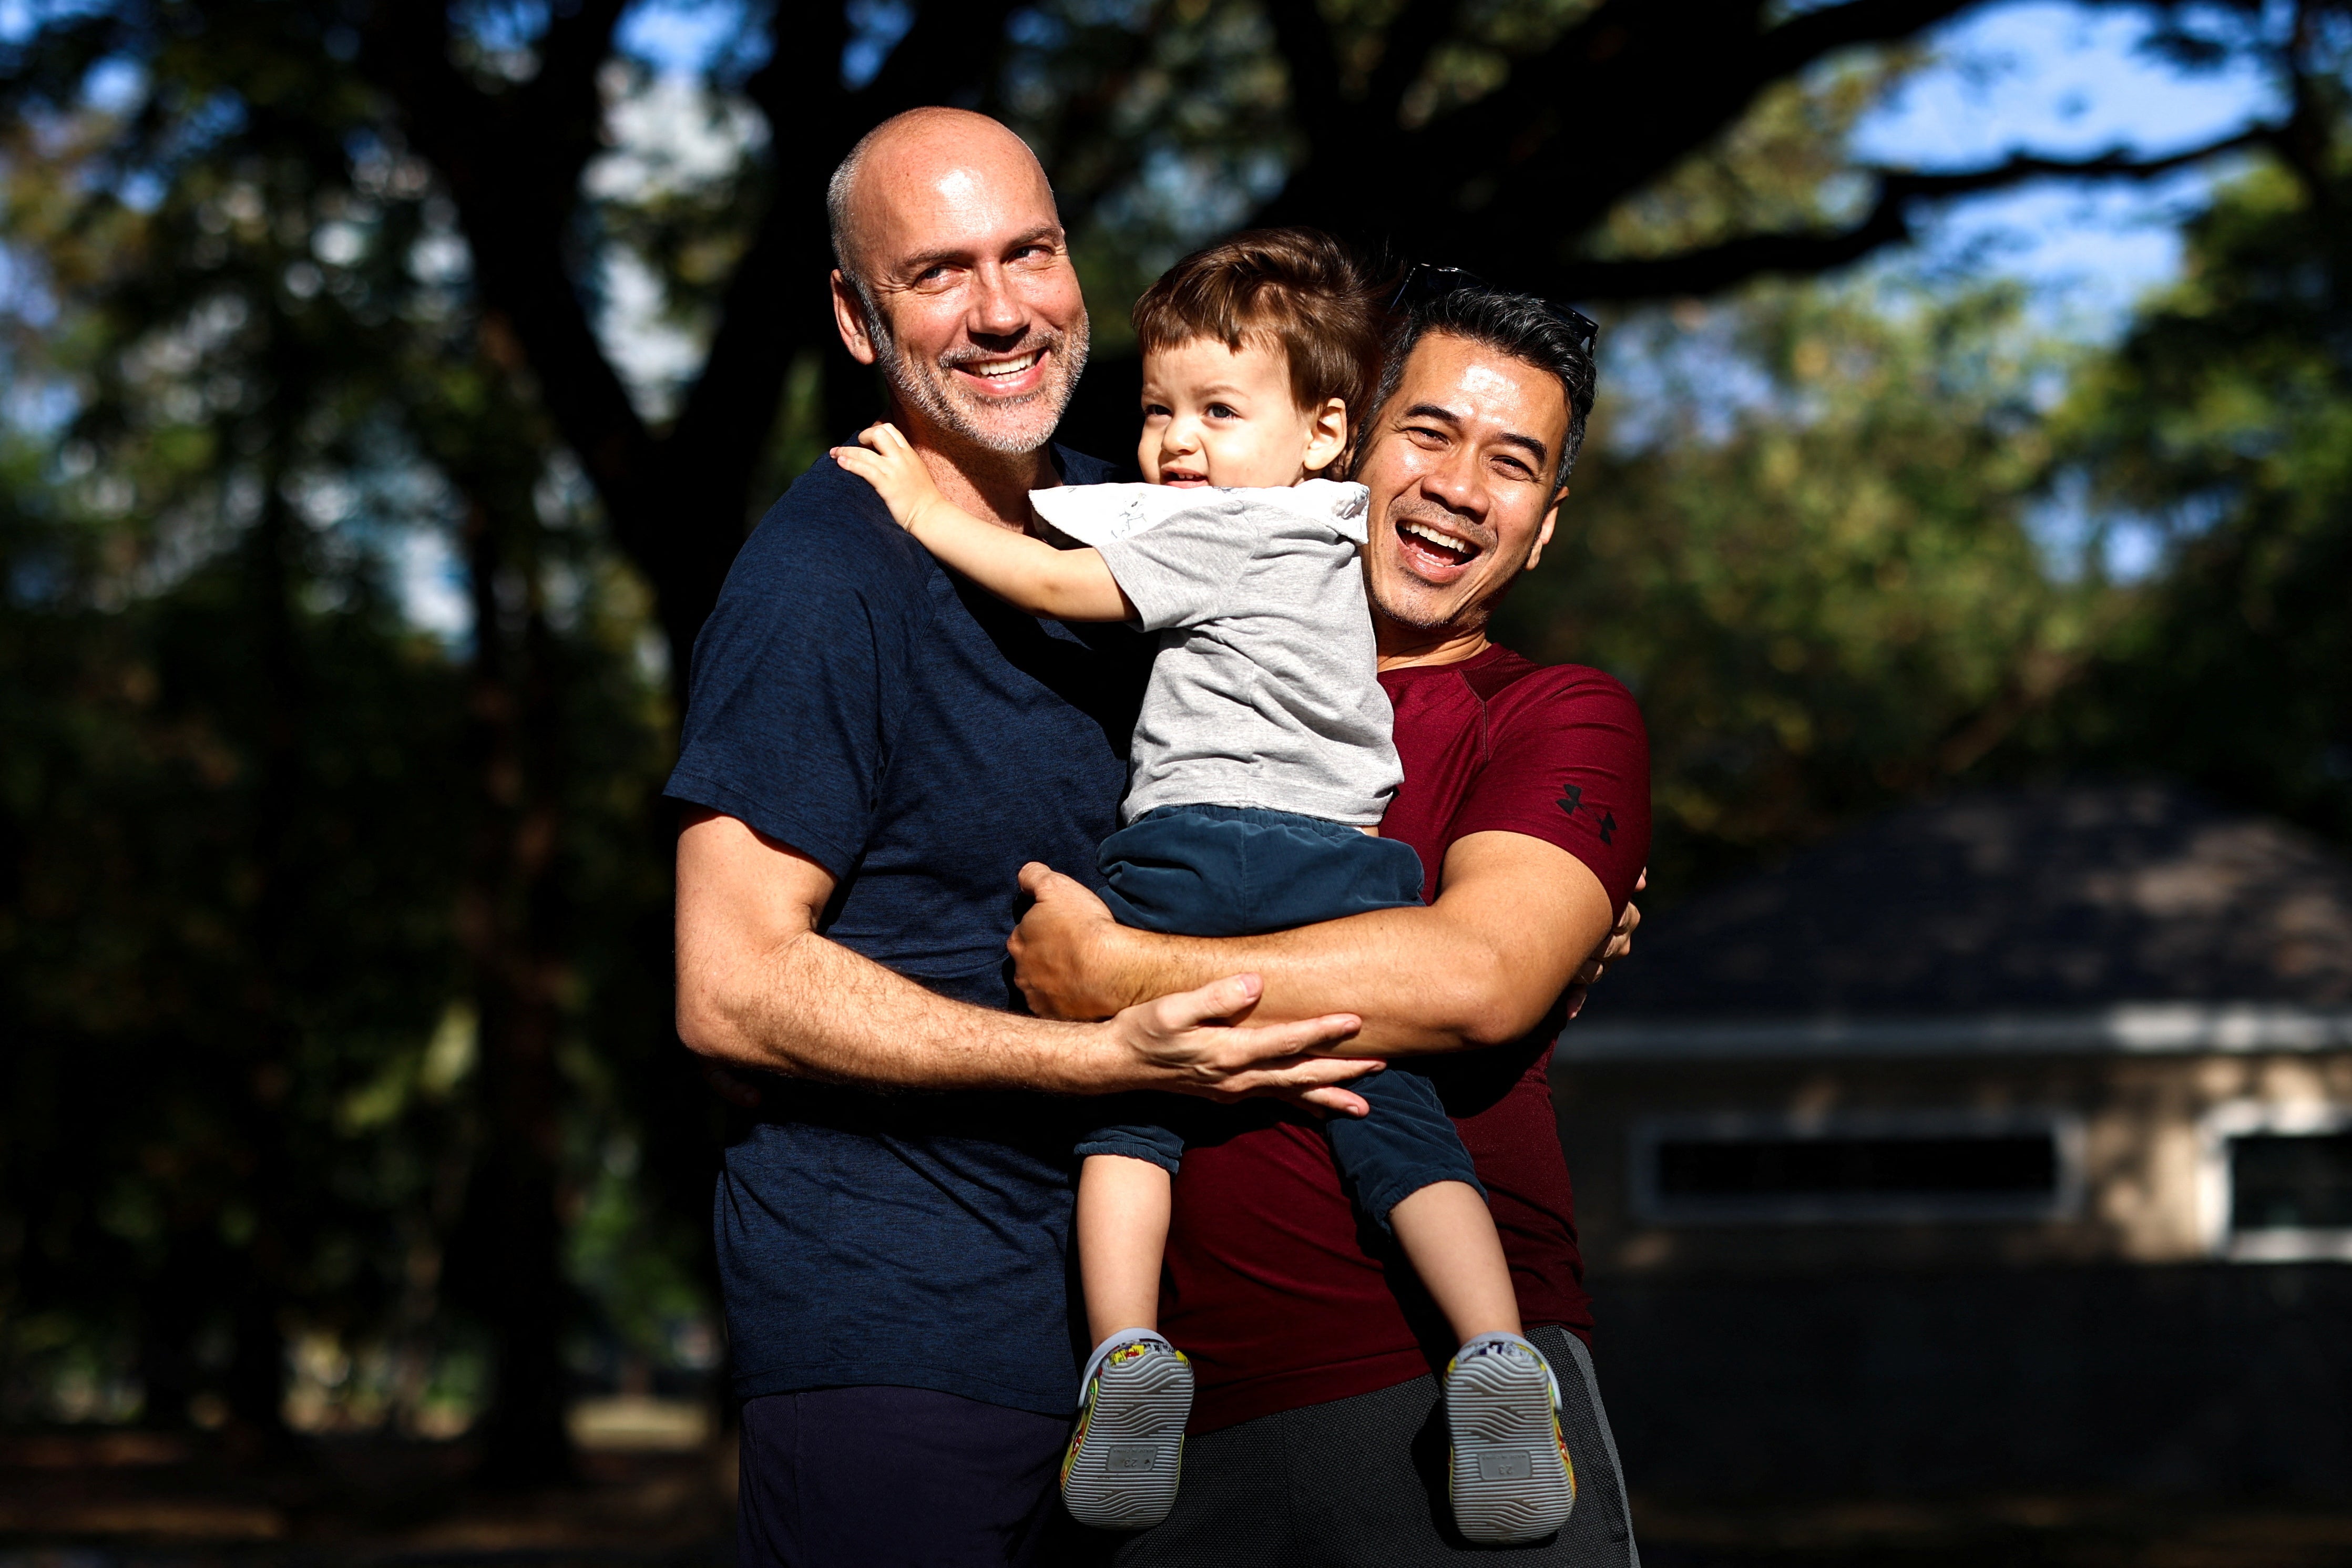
x=1460, y=466
x=1214, y=416
x=978, y=327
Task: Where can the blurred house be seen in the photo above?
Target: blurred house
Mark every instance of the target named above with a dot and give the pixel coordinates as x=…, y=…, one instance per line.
x=2003, y=1143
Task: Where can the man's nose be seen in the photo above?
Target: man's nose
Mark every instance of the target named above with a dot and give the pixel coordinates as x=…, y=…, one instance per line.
x=1457, y=482
x=996, y=310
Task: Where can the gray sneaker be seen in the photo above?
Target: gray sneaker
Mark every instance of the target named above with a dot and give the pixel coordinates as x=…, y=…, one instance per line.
x=1121, y=1470
x=1510, y=1476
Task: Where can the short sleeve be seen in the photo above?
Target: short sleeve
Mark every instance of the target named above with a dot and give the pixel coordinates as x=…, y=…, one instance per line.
x=787, y=718
x=1570, y=764
x=1176, y=554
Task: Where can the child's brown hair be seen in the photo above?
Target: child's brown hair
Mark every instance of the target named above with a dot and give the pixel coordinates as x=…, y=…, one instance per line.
x=1296, y=287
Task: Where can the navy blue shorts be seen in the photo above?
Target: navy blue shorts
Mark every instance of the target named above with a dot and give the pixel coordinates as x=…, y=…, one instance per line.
x=1237, y=871
x=896, y=1478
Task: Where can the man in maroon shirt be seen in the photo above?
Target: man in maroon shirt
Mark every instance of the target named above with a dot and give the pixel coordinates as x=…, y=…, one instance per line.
x=1316, y=1432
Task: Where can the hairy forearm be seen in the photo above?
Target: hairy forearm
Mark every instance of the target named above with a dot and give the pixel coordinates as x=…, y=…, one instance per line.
x=810, y=1008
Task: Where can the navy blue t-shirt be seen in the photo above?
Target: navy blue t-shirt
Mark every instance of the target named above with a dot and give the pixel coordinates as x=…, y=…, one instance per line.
x=919, y=739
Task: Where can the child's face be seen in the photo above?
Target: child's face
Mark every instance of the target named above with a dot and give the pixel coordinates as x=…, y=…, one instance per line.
x=1214, y=416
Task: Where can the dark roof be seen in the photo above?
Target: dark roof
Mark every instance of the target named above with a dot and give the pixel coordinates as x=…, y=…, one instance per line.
x=2012, y=901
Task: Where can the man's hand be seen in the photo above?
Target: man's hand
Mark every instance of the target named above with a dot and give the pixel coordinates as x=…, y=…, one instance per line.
x=1195, y=1042
x=1063, y=950
x=1615, y=945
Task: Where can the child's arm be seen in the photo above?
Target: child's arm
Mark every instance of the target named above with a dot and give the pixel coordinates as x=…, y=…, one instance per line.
x=1067, y=585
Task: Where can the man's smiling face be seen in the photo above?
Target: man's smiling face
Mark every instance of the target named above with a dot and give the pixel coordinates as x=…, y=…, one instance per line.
x=1460, y=466
x=978, y=325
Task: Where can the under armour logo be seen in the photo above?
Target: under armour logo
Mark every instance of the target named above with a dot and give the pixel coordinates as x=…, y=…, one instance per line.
x=1574, y=798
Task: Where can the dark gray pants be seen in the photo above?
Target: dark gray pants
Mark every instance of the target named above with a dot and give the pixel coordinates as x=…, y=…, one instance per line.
x=1360, y=1483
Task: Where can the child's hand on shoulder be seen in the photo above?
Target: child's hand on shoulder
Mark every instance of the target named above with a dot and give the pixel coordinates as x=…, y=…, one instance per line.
x=883, y=459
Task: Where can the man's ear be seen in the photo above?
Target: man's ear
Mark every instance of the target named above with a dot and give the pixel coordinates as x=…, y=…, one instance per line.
x=1543, y=529
x=849, y=319
x=1327, y=435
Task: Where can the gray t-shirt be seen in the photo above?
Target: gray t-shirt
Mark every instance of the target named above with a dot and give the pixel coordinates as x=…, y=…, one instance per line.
x=1266, y=689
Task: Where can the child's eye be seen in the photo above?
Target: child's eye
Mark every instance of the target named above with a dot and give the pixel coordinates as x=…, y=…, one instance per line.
x=1155, y=410
x=1222, y=411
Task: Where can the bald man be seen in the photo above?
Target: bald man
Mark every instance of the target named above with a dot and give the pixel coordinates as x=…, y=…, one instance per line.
x=872, y=749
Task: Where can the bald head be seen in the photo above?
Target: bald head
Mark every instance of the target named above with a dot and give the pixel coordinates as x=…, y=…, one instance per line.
x=953, y=278
x=920, y=151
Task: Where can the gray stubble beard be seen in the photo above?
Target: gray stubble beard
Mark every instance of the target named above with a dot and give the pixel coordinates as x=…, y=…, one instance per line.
x=919, y=393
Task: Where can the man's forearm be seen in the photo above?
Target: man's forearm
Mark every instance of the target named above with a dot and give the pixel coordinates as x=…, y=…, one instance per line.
x=1513, y=921
x=1420, y=985
x=815, y=1009
x=759, y=987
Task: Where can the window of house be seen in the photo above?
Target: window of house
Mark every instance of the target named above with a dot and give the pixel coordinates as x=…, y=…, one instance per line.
x=2278, y=1182
x=1919, y=1165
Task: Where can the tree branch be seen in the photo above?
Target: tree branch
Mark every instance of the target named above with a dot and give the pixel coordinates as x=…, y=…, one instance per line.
x=1412, y=39
x=507, y=173
x=1803, y=39
x=951, y=44
x=1887, y=223
x=563, y=106
x=1304, y=40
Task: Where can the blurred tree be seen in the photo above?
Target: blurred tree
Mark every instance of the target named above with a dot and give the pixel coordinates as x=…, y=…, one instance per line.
x=2221, y=435
x=1807, y=549
x=1316, y=113
x=281, y=866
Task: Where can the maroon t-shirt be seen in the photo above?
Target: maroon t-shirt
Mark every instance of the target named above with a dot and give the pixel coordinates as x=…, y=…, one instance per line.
x=1281, y=1293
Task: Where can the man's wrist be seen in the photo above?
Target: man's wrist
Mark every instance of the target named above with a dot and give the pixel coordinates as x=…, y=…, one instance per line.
x=1125, y=968
x=1090, y=1058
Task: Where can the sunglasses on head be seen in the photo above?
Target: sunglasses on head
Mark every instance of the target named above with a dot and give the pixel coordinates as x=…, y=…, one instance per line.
x=1423, y=283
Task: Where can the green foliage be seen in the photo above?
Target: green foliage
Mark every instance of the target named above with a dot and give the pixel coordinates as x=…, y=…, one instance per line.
x=2225, y=422
x=1809, y=558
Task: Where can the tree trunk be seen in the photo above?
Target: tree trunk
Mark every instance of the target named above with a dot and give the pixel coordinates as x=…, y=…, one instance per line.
x=255, y=1385
x=513, y=733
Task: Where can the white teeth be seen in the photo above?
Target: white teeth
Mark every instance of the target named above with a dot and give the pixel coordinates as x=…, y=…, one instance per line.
x=1005, y=367
x=1433, y=536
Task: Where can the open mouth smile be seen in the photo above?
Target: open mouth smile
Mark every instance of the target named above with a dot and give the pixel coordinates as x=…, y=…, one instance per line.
x=1014, y=373
x=1433, y=553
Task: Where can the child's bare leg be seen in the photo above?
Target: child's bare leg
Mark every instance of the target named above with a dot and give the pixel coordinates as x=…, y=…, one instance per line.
x=1448, y=1235
x=1509, y=1476
x=1123, y=1209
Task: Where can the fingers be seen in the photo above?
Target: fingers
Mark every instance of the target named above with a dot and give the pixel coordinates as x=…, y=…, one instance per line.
x=1226, y=999
x=1300, y=1038
x=1307, y=1080
x=1037, y=876
x=1337, y=1102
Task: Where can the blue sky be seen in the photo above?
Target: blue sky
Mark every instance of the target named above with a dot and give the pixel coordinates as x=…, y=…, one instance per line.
x=2069, y=81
